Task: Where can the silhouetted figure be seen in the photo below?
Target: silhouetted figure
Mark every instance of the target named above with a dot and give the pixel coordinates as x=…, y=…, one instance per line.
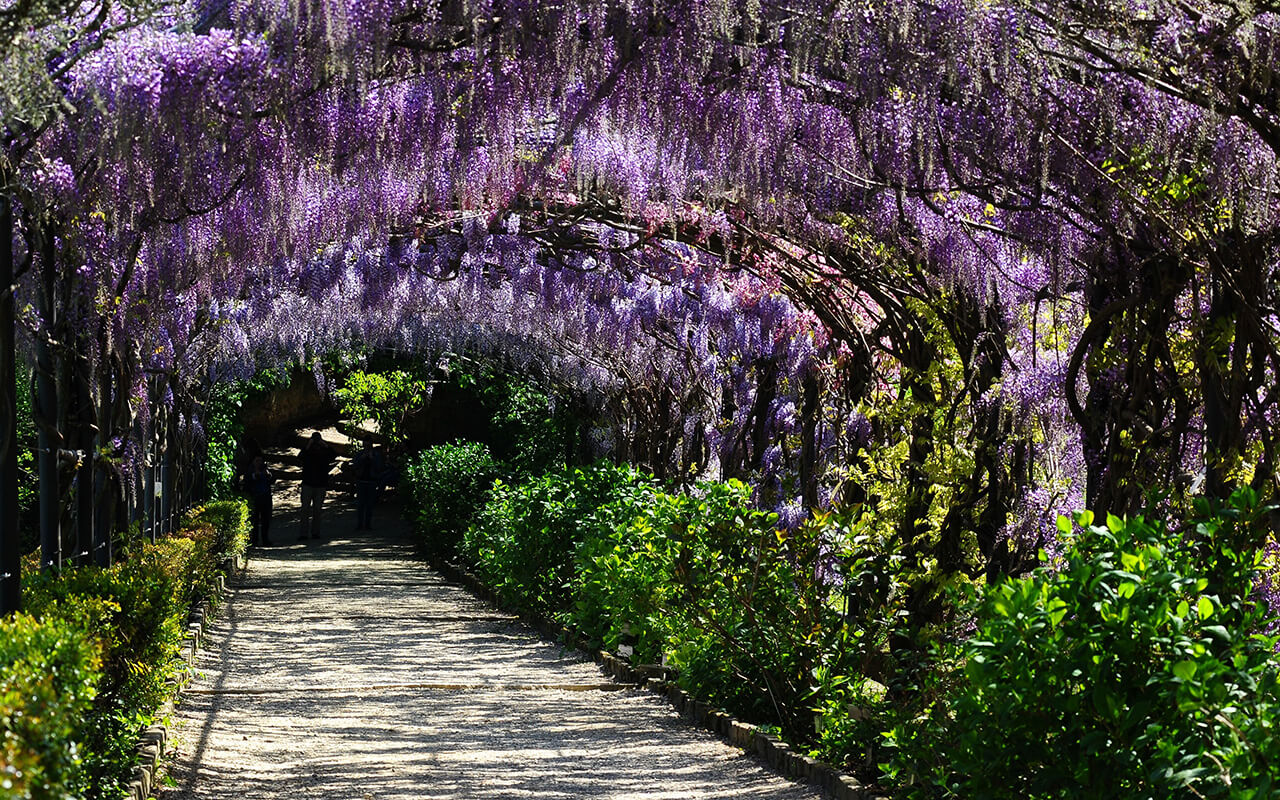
x=246, y=451
x=317, y=460
x=384, y=473
x=367, y=473
x=257, y=484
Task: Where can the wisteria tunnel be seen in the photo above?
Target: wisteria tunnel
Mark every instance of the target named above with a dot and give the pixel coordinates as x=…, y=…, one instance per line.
x=864, y=305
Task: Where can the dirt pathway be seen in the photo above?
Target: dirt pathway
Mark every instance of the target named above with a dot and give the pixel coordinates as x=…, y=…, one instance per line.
x=345, y=668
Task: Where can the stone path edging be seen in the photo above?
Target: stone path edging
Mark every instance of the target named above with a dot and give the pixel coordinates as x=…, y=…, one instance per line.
x=152, y=740
x=749, y=738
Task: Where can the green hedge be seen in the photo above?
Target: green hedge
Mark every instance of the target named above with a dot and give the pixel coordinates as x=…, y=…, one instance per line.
x=444, y=487
x=523, y=540
x=1136, y=666
x=85, y=667
x=49, y=675
x=702, y=580
x=230, y=522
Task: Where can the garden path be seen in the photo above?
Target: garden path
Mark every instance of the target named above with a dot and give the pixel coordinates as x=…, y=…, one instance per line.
x=345, y=668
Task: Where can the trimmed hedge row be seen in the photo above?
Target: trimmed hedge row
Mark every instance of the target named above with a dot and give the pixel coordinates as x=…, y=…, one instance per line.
x=701, y=580
x=1138, y=665
x=85, y=666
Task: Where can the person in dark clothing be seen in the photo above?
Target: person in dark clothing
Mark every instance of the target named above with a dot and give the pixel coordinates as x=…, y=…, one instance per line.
x=257, y=484
x=317, y=460
x=383, y=473
x=246, y=452
x=366, y=474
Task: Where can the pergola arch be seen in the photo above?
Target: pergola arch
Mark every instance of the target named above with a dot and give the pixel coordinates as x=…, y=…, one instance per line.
x=919, y=183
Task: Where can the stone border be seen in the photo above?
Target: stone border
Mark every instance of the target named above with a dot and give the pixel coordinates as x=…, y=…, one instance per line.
x=776, y=753
x=152, y=741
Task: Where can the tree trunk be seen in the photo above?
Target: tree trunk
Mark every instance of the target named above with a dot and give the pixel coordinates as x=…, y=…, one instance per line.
x=809, y=412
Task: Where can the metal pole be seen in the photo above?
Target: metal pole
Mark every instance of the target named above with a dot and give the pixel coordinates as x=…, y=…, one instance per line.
x=103, y=501
x=149, y=495
x=47, y=416
x=10, y=540
x=166, y=474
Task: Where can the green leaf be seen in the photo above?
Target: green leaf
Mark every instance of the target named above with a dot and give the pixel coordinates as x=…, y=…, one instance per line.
x=1185, y=670
x=1105, y=701
x=1057, y=609
x=1205, y=607
x=1220, y=632
x=1184, y=608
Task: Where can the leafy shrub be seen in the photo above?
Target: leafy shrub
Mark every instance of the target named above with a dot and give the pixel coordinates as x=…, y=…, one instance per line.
x=148, y=596
x=444, y=487
x=530, y=436
x=523, y=540
x=48, y=680
x=702, y=579
x=623, y=568
x=133, y=614
x=221, y=423
x=526, y=428
x=740, y=607
x=385, y=397
x=1136, y=670
x=230, y=522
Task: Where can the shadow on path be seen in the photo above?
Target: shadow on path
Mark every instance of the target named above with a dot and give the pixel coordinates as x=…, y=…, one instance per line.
x=345, y=668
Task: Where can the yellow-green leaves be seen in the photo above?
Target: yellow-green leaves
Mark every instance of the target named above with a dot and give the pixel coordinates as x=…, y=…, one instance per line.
x=1204, y=607
x=1184, y=670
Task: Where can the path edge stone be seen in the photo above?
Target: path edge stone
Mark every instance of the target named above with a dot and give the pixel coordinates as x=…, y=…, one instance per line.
x=767, y=748
x=153, y=740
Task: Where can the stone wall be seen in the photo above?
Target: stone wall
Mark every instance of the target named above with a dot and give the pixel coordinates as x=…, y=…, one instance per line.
x=285, y=409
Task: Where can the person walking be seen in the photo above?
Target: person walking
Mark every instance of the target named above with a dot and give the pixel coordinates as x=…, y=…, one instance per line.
x=257, y=484
x=317, y=460
x=366, y=476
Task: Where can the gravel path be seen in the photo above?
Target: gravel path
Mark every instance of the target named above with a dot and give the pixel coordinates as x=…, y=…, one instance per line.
x=344, y=668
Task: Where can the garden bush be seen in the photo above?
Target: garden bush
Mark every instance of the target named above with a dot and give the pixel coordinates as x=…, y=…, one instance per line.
x=148, y=596
x=388, y=398
x=49, y=674
x=744, y=610
x=527, y=427
x=131, y=619
x=1137, y=668
x=522, y=542
x=1134, y=666
x=444, y=487
x=528, y=433
x=702, y=580
x=223, y=430
x=230, y=522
